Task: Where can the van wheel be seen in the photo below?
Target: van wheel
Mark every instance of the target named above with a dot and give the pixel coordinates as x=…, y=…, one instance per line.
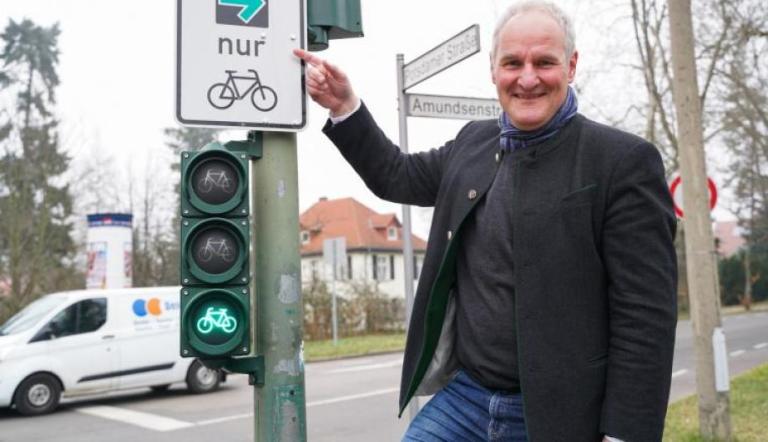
x=160, y=388
x=37, y=394
x=201, y=379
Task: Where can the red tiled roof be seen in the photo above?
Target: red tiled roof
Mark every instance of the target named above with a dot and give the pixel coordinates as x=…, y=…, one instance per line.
x=362, y=227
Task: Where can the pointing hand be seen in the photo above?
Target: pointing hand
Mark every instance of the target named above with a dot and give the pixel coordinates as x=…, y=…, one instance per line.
x=328, y=85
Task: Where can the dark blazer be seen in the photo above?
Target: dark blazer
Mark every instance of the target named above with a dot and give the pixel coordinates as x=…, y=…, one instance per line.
x=595, y=269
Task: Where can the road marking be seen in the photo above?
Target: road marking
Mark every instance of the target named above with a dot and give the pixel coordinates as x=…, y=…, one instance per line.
x=679, y=373
x=144, y=420
x=737, y=353
x=161, y=423
x=367, y=367
x=224, y=419
x=353, y=397
x=761, y=345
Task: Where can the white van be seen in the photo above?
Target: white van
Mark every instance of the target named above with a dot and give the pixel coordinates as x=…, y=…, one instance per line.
x=84, y=342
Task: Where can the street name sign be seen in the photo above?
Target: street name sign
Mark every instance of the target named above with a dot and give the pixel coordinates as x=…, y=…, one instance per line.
x=457, y=48
x=458, y=108
x=235, y=66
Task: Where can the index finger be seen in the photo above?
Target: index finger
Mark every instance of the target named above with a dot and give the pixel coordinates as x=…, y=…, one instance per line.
x=308, y=57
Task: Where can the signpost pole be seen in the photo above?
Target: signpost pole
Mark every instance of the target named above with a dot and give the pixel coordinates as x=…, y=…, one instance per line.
x=279, y=404
x=334, y=311
x=402, y=110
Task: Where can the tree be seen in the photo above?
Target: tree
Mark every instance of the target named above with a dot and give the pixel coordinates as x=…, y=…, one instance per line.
x=718, y=26
x=155, y=235
x=155, y=249
x=714, y=415
x=36, y=247
x=745, y=133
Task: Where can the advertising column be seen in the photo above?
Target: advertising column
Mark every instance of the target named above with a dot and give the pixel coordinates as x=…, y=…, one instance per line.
x=110, y=251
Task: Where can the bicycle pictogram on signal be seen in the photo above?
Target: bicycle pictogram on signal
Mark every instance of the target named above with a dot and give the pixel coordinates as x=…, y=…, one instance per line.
x=216, y=179
x=216, y=319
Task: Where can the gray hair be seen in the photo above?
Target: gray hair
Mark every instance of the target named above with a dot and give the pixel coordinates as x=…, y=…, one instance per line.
x=550, y=9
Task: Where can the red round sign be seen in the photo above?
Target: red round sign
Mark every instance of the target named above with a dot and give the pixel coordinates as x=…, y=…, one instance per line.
x=712, y=194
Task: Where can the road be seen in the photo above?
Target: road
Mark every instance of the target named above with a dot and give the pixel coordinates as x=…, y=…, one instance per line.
x=347, y=400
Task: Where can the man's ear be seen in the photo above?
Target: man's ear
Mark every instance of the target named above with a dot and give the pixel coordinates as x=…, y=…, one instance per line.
x=572, y=66
x=493, y=74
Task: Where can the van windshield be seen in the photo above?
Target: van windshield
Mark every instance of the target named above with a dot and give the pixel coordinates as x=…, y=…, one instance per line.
x=30, y=315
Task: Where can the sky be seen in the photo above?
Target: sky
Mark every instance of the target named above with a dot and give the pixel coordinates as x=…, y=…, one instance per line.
x=117, y=70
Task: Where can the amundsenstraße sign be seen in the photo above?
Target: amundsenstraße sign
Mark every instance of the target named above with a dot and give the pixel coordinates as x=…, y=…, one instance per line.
x=235, y=66
x=457, y=108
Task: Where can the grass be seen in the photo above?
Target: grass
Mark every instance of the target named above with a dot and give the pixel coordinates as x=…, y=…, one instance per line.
x=729, y=310
x=353, y=346
x=749, y=411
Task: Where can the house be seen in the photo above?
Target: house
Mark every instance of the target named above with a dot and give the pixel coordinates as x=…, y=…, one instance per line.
x=374, y=245
x=5, y=287
x=729, y=236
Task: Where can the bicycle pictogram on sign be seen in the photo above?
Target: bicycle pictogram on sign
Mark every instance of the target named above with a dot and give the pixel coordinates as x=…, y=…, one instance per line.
x=222, y=95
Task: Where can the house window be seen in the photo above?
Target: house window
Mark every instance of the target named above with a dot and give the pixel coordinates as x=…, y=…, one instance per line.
x=416, y=267
x=391, y=266
x=349, y=267
x=381, y=268
x=304, y=237
x=392, y=233
x=375, y=275
x=313, y=266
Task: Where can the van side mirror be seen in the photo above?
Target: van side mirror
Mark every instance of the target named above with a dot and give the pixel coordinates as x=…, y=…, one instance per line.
x=46, y=333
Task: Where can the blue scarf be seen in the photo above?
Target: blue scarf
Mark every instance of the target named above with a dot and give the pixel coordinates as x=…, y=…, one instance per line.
x=513, y=138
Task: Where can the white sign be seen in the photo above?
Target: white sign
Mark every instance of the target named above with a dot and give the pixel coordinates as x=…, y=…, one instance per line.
x=464, y=44
x=234, y=64
x=722, y=378
x=335, y=255
x=459, y=108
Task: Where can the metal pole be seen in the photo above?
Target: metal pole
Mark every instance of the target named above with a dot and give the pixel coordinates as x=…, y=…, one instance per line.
x=279, y=404
x=711, y=362
x=413, y=408
x=335, y=318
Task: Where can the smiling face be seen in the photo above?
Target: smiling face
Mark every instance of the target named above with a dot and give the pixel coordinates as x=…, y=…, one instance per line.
x=530, y=69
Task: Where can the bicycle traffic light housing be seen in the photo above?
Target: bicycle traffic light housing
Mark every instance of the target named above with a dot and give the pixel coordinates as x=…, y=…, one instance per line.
x=332, y=19
x=215, y=248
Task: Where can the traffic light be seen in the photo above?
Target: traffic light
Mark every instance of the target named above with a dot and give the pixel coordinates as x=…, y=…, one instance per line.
x=215, y=243
x=332, y=19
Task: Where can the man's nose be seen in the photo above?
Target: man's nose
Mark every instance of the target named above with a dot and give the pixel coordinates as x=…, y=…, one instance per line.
x=529, y=79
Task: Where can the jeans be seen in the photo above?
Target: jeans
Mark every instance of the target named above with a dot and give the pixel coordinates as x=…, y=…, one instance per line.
x=466, y=411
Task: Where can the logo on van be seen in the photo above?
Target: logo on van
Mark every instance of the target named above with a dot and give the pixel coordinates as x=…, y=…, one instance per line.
x=141, y=307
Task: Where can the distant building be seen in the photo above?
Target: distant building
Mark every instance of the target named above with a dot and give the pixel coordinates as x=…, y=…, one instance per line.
x=5, y=287
x=729, y=238
x=374, y=245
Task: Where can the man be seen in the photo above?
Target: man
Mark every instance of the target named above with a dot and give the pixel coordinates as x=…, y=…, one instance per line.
x=546, y=305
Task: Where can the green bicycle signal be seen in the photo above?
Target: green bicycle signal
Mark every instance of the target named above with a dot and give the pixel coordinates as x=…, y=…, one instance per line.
x=214, y=321
x=218, y=319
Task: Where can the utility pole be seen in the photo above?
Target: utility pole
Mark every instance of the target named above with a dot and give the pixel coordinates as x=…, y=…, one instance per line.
x=279, y=403
x=413, y=407
x=711, y=359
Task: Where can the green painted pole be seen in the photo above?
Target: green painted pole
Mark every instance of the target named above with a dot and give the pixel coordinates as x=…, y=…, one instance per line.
x=279, y=404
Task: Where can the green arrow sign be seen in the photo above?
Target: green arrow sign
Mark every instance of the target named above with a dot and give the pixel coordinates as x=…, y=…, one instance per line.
x=249, y=8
